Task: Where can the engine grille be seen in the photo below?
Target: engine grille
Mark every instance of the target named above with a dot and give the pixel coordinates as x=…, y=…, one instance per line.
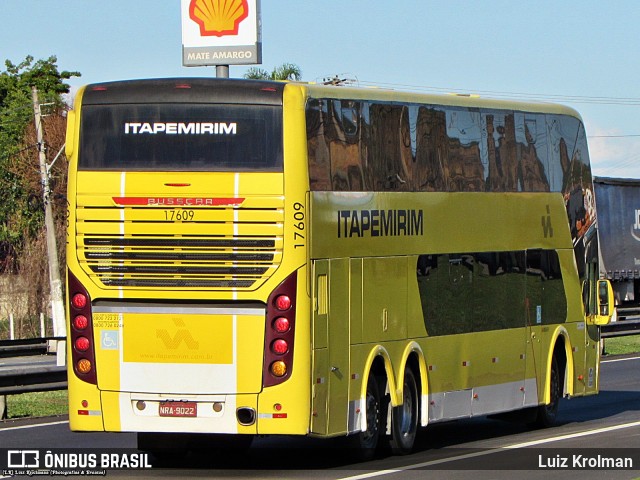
x=215, y=253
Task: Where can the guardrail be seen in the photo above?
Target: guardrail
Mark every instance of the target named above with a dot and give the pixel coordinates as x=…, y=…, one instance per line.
x=627, y=323
x=26, y=367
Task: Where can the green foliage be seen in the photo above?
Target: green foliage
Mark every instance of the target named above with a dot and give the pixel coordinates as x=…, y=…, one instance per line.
x=21, y=209
x=622, y=345
x=286, y=71
x=37, y=404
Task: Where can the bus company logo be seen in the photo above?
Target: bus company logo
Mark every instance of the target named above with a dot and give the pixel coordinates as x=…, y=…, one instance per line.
x=635, y=228
x=181, y=335
x=178, y=201
x=218, y=17
x=181, y=128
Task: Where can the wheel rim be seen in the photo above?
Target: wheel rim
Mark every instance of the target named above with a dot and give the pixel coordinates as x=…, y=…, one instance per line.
x=372, y=418
x=407, y=424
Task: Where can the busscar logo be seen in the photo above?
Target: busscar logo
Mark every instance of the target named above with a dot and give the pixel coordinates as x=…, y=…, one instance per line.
x=23, y=459
x=218, y=17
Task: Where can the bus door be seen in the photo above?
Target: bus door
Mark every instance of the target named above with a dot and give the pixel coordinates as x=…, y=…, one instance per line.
x=592, y=331
x=330, y=346
x=546, y=307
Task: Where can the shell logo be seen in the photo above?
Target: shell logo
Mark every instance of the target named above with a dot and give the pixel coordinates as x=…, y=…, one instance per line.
x=218, y=17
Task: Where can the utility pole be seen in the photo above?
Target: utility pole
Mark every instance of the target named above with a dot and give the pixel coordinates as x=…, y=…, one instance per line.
x=55, y=285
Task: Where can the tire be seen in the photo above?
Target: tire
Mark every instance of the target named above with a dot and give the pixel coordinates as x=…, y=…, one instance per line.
x=404, y=418
x=365, y=443
x=548, y=414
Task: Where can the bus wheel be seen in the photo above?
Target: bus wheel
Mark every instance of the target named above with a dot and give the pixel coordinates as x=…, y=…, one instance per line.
x=547, y=414
x=404, y=418
x=365, y=443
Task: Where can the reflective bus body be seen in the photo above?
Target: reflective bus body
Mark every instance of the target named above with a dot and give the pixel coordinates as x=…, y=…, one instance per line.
x=259, y=258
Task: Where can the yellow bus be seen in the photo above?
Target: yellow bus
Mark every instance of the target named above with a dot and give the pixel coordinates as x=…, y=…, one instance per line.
x=255, y=258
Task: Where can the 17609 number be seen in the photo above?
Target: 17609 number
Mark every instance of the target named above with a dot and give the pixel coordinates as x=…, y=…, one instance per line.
x=179, y=215
x=298, y=224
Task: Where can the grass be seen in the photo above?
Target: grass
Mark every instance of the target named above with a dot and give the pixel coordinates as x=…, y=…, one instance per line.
x=622, y=345
x=37, y=404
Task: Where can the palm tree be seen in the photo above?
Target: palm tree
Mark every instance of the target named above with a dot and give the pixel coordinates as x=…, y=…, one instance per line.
x=286, y=71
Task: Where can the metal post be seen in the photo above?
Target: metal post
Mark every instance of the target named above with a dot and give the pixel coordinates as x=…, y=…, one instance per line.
x=57, y=305
x=222, y=71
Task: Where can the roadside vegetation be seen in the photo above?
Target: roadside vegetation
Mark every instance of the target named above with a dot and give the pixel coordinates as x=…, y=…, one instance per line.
x=37, y=404
x=622, y=345
x=24, y=287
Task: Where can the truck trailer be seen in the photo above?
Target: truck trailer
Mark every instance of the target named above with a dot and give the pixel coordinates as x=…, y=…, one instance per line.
x=618, y=210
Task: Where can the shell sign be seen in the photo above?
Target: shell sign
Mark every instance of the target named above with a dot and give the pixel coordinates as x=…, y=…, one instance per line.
x=221, y=32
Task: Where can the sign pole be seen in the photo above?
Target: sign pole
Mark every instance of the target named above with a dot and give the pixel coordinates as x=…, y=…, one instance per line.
x=222, y=71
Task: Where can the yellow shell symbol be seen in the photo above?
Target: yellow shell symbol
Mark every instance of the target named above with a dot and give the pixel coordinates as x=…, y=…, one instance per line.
x=218, y=17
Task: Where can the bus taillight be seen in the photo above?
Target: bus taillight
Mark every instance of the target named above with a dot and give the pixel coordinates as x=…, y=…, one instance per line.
x=82, y=344
x=81, y=335
x=79, y=301
x=281, y=325
x=279, y=346
x=278, y=369
x=80, y=322
x=279, y=332
x=282, y=303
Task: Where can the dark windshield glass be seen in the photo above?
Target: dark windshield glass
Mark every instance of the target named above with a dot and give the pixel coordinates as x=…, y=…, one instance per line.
x=183, y=137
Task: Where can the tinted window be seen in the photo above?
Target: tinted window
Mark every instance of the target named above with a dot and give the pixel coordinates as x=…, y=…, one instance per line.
x=181, y=137
x=476, y=292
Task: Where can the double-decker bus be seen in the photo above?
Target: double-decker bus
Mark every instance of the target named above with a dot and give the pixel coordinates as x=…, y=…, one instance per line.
x=254, y=258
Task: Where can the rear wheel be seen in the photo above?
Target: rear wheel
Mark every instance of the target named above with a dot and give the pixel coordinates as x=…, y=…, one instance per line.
x=404, y=418
x=547, y=414
x=366, y=442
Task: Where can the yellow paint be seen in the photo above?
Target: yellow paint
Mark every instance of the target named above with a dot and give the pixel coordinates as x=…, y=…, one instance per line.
x=171, y=338
x=364, y=290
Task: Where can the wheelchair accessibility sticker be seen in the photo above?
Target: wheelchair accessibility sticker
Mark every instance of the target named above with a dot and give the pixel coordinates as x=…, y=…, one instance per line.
x=109, y=339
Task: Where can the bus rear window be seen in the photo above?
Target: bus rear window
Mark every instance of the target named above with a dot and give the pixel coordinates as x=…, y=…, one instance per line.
x=181, y=137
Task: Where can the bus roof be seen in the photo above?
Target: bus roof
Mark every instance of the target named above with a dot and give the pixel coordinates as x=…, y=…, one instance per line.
x=469, y=101
x=184, y=90
x=267, y=92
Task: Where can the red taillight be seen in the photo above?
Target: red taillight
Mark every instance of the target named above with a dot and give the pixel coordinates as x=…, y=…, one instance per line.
x=79, y=301
x=80, y=322
x=281, y=325
x=80, y=331
x=280, y=347
x=279, y=338
x=82, y=344
x=283, y=302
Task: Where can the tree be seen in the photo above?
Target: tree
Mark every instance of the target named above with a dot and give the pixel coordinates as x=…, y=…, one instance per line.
x=21, y=212
x=286, y=71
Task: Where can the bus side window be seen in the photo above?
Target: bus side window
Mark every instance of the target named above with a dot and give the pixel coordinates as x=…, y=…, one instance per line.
x=317, y=149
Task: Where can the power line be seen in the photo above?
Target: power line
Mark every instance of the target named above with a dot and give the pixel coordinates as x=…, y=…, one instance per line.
x=614, y=136
x=603, y=100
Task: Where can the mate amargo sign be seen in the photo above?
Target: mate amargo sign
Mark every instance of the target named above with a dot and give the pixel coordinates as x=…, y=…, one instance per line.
x=221, y=32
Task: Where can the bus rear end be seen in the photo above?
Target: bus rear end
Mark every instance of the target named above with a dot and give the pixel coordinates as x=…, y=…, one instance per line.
x=183, y=299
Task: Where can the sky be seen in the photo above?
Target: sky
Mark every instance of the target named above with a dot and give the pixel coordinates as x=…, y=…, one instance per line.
x=581, y=53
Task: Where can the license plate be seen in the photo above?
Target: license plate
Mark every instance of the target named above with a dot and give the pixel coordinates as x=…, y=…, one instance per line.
x=178, y=409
